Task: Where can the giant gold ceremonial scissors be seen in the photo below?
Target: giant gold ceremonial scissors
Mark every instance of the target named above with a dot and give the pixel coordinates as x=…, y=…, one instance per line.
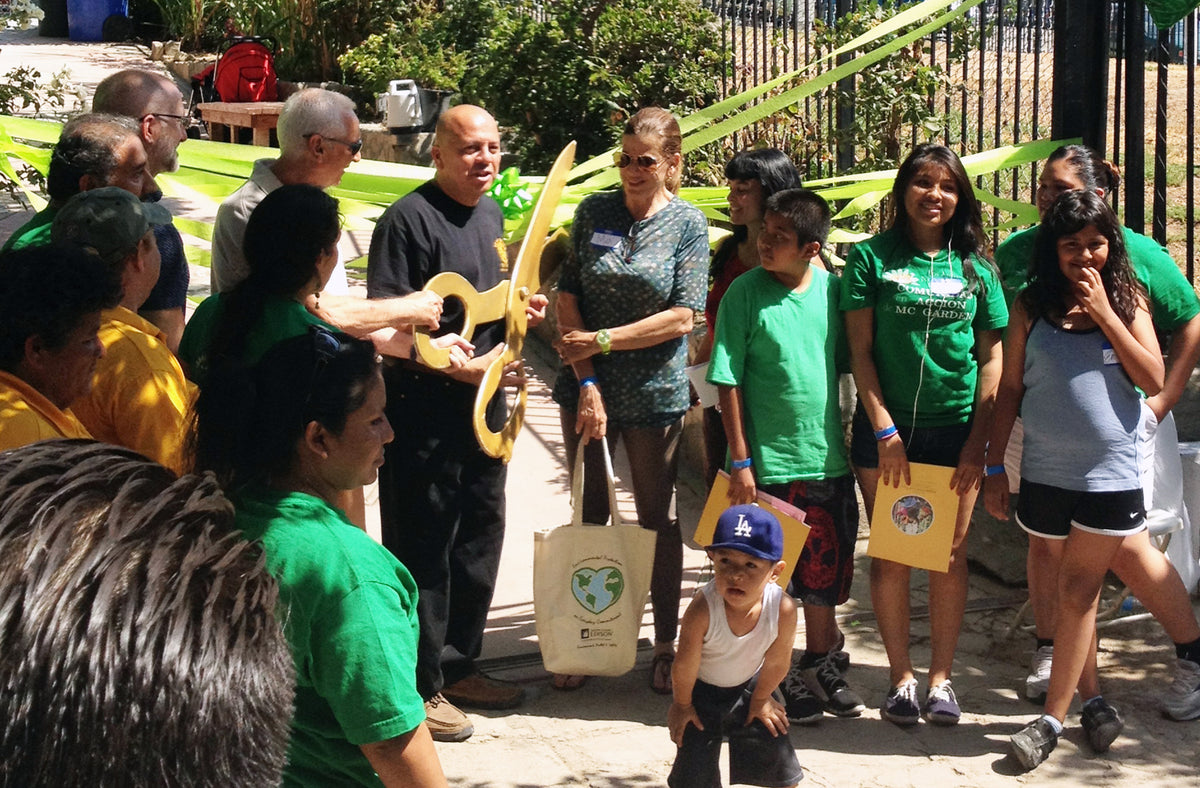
x=506, y=300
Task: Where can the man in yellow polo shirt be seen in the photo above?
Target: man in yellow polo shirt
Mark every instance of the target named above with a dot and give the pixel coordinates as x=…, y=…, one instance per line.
x=140, y=398
x=50, y=303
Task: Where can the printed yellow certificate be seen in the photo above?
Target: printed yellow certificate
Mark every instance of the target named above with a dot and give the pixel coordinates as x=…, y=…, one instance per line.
x=791, y=519
x=914, y=524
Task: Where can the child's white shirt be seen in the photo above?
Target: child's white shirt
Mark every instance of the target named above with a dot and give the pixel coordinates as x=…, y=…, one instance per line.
x=726, y=659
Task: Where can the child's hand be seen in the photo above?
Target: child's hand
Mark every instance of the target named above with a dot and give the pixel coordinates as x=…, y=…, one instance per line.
x=1092, y=297
x=678, y=717
x=995, y=495
x=771, y=712
x=893, y=462
x=741, y=486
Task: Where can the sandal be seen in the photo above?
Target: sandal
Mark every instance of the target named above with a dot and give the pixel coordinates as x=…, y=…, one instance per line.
x=660, y=673
x=565, y=682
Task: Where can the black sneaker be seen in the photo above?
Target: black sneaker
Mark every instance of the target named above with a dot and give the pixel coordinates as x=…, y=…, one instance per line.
x=803, y=707
x=941, y=705
x=828, y=684
x=900, y=706
x=1032, y=744
x=1102, y=723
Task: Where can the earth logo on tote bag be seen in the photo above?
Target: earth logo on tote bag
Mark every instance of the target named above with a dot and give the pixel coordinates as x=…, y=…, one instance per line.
x=596, y=590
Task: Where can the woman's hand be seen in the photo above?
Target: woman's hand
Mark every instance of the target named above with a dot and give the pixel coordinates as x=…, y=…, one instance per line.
x=893, y=462
x=591, y=420
x=461, y=351
x=741, y=486
x=968, y=474
x=575, y=346
x=995, y=495
x=535, y=310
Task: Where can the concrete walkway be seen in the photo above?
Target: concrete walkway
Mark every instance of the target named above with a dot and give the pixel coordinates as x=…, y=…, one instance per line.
x=612, y=732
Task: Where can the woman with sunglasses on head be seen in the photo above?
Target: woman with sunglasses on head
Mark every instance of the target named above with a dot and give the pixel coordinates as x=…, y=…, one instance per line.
x=753, y=175
x=924, y=315
x=287, y=438
x=626, y=299
x=1143, y=568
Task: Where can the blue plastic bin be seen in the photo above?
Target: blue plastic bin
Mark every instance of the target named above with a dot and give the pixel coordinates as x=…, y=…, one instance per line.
x=85, y=18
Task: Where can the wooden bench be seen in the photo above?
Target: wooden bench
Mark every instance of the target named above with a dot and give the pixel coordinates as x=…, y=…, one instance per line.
x=224, y=116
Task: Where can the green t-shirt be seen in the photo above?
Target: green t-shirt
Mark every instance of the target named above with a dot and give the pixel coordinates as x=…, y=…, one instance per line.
x=283, y=318
x=35, y=232
x=350, y=613
x=1172, y=299
x=926, y=317
x=782, y=348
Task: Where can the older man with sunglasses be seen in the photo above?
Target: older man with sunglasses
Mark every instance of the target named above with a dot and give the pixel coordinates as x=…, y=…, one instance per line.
x=155, y=103
x=318, y=139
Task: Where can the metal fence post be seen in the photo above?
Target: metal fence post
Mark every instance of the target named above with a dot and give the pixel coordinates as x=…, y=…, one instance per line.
x=1081, y=50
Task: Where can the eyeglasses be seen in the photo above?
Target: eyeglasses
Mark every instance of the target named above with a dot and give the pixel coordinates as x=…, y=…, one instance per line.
x=185, y=121
x=354, y=147
x=623, y=160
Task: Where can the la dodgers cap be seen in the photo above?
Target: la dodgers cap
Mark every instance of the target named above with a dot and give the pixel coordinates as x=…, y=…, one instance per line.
x=750, y=529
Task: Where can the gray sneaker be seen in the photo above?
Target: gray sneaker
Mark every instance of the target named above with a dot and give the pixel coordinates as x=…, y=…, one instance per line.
x=1182, y=701
x=1038, y=680
x=1033, y=744
x=1102, y=724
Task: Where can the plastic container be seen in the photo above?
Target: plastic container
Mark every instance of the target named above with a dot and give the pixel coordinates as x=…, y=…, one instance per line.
x=408, y=108
x=85, y=18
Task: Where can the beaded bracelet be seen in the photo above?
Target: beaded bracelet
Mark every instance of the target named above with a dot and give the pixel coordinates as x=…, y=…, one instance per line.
x=738, y=465
x=588, y=381
x=886, y=432
x=992, y=470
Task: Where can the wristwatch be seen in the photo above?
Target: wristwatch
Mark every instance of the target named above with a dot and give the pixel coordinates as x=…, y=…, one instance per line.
x=604, y=340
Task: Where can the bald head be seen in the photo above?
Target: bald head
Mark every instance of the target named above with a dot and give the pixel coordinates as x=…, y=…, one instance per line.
x=155, y=102
x=130, y=92
x=466, y=152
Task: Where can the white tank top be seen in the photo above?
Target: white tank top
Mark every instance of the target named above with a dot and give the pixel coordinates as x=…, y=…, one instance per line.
x=727, y=660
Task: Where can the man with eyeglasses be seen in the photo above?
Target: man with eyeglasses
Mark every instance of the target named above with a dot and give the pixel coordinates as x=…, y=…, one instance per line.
x=318, y=139
x=155, y=103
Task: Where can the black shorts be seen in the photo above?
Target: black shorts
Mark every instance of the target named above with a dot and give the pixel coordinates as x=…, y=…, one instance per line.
x=1051, y=512
x=930, y=445
x=825, y=571
x=755, y=756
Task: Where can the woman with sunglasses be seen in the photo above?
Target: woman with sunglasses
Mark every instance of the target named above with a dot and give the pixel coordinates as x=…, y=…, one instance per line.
x=291, y=246
x=1138, y=563
x=626, y=299
x=287, y=438
x=753, y=175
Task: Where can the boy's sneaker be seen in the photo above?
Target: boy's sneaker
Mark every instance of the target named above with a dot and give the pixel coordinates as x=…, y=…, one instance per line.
x=1102, y=723
x=1038, y=680
x=803, y=707
x=900, y=706
x=839, y=656
x=941, y=706
x=1182, y=701
x=1033, y=743
x=828, y=684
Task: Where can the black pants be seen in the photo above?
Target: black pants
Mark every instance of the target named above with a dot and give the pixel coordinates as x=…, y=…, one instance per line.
x=441, y=502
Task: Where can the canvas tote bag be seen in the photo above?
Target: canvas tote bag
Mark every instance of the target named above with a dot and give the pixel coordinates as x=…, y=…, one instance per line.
x=589, y=587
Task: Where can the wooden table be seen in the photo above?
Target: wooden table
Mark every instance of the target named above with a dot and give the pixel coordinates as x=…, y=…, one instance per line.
x=224, y=116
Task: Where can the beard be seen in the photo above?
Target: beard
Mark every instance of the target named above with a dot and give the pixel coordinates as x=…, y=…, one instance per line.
x=163, y=155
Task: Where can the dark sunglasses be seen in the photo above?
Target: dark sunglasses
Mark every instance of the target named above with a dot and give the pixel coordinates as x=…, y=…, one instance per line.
x=623, y=160
x=326, y=346
x=354, y=147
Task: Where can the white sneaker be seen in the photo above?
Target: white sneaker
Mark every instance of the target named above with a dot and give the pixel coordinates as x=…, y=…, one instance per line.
x=1182, y=701
x=1038, y=680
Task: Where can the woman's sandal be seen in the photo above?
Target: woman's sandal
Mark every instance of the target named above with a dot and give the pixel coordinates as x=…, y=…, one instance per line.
x=565, y=682
x=660, y=673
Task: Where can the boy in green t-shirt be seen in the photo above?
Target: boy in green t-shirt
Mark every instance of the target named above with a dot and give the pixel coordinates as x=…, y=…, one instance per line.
x=776, y=357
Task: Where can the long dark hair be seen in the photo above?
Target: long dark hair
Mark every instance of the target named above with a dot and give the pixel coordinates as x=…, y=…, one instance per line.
x=249, y=420
x=1087, y=165
x=964, y=232
x=1046, y=295
x=285, y=237
x=774, y=172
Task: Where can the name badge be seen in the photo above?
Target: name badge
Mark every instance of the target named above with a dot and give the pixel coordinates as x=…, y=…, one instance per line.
x=946, y=285
x=607, y=239
x=1110, y=355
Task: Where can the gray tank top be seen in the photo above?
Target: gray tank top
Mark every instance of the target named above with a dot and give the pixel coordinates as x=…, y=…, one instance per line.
x=1080, y=412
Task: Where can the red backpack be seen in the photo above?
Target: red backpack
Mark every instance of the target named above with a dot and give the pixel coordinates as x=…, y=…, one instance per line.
x=246, y=70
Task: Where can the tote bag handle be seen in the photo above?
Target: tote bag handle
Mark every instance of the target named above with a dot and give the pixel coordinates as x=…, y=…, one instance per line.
x=577, y=486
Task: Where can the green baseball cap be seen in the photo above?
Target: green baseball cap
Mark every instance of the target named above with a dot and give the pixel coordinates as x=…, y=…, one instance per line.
x=109, y=220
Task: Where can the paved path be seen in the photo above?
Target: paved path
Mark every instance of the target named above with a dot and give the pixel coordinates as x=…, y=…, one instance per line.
x=612, y=733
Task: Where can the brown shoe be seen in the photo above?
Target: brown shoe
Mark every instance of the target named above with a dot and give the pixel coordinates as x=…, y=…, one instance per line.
x=484, y=692
x=445, y=722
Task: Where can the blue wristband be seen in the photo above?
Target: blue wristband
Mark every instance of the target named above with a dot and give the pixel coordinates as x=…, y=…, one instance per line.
x=738, y=465
x=992, y=470
x=886, y=432
x=588, y=381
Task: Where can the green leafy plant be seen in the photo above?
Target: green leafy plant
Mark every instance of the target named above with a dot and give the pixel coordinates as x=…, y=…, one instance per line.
x=418, y=48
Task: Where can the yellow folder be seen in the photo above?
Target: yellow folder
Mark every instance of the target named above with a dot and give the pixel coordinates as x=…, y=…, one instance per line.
x=791, y=519
x=914, y=524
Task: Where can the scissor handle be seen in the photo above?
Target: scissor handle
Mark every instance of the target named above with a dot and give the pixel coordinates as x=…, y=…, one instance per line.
x=498, y=443
x=477, y=308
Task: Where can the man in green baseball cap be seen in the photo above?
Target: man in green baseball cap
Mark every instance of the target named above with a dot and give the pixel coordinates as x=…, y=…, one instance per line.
x=140, y=398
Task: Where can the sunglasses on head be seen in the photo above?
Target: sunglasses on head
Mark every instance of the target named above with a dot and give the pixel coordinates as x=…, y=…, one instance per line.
x=354, y=147
x=623, y=160
x=325, y=347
